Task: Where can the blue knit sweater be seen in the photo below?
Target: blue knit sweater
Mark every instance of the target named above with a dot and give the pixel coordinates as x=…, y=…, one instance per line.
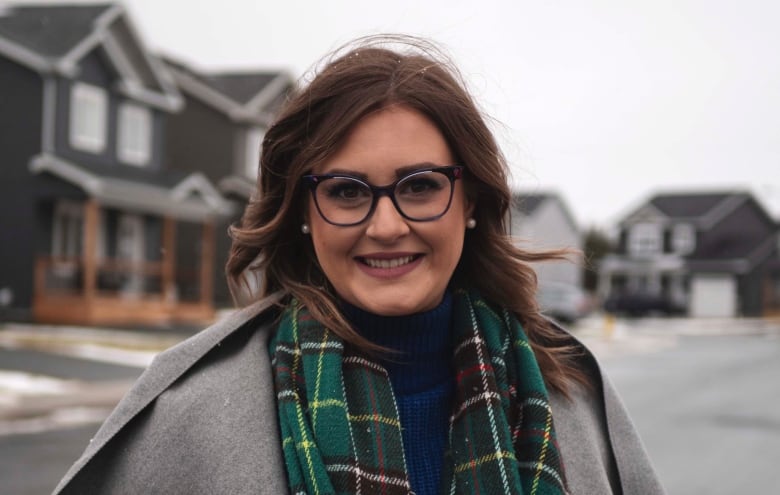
x=422, y=380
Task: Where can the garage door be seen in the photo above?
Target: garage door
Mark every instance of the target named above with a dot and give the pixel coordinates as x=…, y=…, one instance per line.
x=713, y=296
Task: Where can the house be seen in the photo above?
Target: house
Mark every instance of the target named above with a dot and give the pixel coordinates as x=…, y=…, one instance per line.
x=541, y=220
x=702, y=254
x=219, y=133
x=97, y=227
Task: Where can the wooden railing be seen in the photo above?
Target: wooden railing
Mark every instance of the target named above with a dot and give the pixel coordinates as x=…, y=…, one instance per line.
x=65, y=276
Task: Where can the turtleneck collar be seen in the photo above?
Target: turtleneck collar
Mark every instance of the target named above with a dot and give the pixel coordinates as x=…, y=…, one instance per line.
x=423, y=342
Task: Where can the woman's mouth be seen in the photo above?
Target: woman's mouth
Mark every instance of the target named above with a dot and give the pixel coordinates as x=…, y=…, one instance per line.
x=387, y=263
x=389, y=267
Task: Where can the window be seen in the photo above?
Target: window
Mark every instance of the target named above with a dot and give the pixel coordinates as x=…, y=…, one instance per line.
x=88, y=116
x=67, y=230
x=135, y=134
x=683, y=238
x=644, y=239
x=254, y=140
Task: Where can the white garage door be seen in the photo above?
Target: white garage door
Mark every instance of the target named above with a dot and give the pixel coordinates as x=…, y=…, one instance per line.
x=713, y=296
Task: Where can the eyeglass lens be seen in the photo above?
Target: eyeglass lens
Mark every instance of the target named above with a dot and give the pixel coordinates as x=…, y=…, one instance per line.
x=420, y=196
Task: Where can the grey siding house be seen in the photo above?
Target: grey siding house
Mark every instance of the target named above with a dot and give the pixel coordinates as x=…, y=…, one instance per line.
x=541, y=220
x=219, y=133
x=702, y=254
x=96, y=225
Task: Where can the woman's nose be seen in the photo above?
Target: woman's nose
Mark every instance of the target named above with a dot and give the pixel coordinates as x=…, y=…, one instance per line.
x=386, y=223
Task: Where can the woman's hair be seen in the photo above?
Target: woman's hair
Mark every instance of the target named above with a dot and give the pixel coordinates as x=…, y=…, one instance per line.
x=364, y=77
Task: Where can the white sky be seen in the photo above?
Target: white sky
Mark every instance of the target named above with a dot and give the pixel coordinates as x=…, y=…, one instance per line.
x=604, y=101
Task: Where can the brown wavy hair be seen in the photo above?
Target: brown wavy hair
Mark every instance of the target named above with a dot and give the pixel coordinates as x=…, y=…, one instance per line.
x=358, y=79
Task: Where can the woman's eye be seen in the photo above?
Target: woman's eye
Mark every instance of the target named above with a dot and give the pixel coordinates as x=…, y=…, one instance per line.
x=419, y=186
x=346, y=191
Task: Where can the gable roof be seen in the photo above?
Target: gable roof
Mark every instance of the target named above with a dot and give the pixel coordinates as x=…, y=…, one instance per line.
x=703, y=209
x=52, y=30
x=54, y=38
x=527, y=203
x=246, y=96
x=690, y=205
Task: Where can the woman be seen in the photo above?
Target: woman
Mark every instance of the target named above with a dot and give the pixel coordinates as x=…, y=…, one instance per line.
x=396, y=345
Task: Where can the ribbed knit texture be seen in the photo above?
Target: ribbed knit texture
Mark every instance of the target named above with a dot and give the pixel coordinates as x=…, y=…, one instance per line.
x=423, y=383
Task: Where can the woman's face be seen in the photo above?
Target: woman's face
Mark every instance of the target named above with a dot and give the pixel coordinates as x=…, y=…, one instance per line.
x=389, y=265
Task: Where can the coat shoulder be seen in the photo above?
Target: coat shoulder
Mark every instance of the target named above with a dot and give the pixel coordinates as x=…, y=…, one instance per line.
x=179, y=380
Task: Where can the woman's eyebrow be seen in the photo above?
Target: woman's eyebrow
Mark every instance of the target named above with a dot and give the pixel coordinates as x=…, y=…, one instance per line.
x=408, y=169
x=399, y=172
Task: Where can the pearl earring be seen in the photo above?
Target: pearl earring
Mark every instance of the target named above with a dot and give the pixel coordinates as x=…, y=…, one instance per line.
x=471, y=223
x=305, y=228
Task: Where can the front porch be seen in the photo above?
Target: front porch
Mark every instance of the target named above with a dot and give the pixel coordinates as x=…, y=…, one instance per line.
x=91, y=287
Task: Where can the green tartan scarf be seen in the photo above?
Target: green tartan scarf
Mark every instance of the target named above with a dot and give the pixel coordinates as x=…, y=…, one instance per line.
x=339, y=420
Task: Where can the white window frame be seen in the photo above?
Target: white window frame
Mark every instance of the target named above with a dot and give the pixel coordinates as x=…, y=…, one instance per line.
x=134, y=136
x=253, y=140
x=645, y=239
x=683, y=238
x=88, y=117
x=67, y=229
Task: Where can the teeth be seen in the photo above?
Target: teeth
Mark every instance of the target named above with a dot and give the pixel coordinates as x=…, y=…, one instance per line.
x=391, y=263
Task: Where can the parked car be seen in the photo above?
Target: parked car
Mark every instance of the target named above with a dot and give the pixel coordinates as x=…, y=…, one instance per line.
x=564, y=302
x=641, y=304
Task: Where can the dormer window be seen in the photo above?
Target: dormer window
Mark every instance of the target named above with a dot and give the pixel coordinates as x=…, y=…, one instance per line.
x=683, y=238
x=645, y=239
x=88, y=117
x=135, y=134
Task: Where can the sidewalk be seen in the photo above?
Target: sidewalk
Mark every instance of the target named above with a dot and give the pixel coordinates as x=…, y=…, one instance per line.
x=34, y=397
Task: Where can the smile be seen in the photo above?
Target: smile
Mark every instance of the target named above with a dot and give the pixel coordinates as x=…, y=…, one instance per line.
x=387, y=263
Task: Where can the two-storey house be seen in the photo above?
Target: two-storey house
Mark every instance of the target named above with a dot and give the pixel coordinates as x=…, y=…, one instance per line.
x=219, y=133
x=96, y=228
x=702, y=254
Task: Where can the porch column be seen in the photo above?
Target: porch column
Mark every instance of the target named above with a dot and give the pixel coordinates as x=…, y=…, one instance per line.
x=89, y=250
x=168, y=260
x=207, y=264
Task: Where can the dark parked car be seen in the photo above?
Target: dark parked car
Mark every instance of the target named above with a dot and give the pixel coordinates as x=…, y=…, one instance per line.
x=641, y=304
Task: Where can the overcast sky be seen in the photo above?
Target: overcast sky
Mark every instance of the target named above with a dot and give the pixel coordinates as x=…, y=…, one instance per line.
x=603, y=101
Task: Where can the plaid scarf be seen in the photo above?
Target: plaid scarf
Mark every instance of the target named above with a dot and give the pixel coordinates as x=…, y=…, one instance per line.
x=339, y=421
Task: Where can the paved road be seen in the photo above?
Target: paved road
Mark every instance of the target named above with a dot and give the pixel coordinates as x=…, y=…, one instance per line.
x=708, y=409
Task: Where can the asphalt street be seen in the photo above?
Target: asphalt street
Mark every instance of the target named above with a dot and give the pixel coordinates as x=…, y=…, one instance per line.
x=704, y=397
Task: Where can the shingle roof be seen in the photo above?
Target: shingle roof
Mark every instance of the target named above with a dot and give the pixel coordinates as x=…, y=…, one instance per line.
x=241, y=87
x=51, y=31
x=527, y=203
x=689, y=205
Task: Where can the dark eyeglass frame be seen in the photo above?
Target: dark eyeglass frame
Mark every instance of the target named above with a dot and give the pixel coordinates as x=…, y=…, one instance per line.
x=452, y=172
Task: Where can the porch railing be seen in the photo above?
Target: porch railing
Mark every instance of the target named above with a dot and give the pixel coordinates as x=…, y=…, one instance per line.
x=65, y=276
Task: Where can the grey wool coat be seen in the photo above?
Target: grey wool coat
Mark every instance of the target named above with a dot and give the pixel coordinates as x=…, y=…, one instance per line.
x=202, y=419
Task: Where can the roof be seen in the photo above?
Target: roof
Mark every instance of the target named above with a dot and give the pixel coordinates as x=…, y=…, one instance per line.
x=690, y=205
x=252, y=96
x=54, y=38
x=702, y=209
x=241, y=87
x=187, y=197
x=528, y=203
x=50, y=30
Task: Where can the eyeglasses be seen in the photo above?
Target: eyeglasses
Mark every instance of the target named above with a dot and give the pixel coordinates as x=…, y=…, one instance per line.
x=421, y=196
